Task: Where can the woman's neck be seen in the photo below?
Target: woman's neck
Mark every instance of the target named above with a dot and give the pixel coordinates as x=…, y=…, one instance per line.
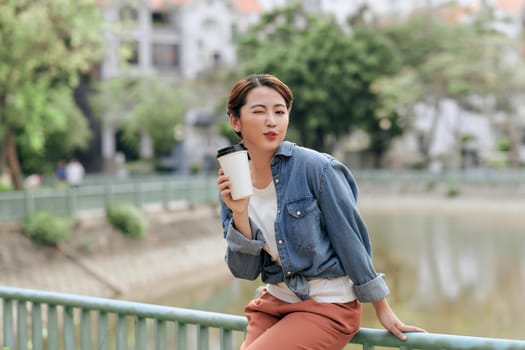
x=260, y=167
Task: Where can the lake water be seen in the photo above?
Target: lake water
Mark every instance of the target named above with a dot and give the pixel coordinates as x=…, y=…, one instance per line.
x=456, y=272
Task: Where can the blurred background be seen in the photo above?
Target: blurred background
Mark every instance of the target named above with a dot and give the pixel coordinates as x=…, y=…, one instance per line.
x=422, y=99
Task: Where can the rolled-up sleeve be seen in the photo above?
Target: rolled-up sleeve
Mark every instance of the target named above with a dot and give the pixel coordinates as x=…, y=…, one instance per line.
x=243, y=256
x=373, y=290
x=238, y=243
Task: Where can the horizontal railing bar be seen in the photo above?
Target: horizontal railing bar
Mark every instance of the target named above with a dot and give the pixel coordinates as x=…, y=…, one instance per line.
x=209, y=319
x=435, y=341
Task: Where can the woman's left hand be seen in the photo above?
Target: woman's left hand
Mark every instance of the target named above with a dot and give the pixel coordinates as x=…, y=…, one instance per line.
x=391, y=322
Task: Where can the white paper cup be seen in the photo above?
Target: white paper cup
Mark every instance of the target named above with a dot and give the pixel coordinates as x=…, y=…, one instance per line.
x=234, y=162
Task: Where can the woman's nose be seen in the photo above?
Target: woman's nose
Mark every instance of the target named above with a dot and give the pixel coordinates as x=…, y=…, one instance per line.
x=270, y=119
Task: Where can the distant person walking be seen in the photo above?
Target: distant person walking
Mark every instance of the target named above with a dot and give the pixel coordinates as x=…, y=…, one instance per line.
x=74, y=173
x=60, y=171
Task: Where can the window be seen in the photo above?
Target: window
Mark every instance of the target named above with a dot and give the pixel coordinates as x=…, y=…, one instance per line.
x=160, y=18
x=132, y=51
x=216, y=57
x=235, y=31
x=128, y=14
x=166, y=56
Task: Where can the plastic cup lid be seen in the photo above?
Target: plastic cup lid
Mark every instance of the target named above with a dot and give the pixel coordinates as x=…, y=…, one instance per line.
x=230, y=149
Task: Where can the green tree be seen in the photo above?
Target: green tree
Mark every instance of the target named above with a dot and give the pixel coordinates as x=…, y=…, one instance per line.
x=329, y=71
x=447, y=61
x=144, y=105
x=44, y=47
x=160, y=109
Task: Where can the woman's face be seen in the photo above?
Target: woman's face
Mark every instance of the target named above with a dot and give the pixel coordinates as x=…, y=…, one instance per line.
x=263, y=122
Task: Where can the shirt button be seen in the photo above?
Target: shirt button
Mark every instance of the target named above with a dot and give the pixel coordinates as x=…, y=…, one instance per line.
x=298, y=213
x=278, y=211
x=288, y=273
x=280, y=241
x=276, y=181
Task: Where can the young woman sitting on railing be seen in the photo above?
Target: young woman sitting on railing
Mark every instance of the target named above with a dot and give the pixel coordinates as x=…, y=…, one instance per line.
x=300, y=230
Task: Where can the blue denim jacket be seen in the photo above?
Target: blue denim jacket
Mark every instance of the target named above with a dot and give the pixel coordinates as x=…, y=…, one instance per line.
x=318, y=229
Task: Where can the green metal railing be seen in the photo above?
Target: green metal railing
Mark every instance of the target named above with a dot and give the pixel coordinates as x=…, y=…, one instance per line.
x=94, y=195
x=46, y=320
x=97, y=191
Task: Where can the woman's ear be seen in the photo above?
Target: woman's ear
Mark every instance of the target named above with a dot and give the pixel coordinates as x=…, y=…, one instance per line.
x=235, y=123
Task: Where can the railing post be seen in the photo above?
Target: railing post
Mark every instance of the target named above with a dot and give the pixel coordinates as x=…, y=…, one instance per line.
x=36, y=326
x=52, y=327
x=160, y=341
x=9, y=340
x=140, y=333
x=69, y=328
x=203, y=338
x=102, y=331
x=182, y=335
x=122, y=334
x=139, y=200
x=21, y=331
x=108, y=194
x=166, y=194
x=71, y=199
x=189, y=194
x=226, y=339
x=29, y=203
x=85, y=329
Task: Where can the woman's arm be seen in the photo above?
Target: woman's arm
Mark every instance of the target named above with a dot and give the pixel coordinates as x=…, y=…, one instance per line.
x=337, y=199
x=244, y=242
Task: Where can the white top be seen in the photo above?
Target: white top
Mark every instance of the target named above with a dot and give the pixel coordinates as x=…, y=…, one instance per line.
x=262, y=210
x=74, y=173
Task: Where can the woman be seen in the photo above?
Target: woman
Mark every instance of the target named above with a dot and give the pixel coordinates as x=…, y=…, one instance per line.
x=300, y=230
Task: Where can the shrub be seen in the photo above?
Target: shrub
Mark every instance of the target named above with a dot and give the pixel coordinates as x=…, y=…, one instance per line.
x=452, y=190
x=127, y=218
x=46, y=228
x=5, y=187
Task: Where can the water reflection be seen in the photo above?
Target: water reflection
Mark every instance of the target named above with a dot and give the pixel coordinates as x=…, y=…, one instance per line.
x=449, y=273
x=454, y=273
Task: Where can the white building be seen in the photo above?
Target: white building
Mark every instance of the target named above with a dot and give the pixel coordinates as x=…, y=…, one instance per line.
x=180, y=38
x=171, y=39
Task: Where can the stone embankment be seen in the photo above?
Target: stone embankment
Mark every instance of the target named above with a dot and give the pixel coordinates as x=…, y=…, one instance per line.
x=183, y=247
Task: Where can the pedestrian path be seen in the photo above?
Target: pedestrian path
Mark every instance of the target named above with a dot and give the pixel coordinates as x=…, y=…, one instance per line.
x=136, y=273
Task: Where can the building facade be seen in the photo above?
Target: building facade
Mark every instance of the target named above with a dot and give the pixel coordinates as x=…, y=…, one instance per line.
x=174, y=40
x=178, y=39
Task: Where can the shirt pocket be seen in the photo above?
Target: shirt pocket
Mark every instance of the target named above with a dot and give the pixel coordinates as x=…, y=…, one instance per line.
x=305, y=225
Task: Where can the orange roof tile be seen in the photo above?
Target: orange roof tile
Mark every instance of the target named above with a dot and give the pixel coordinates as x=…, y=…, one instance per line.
x=510, y=5
x=244, y=6
x=248, y=6
x=457, y=14
x=162, y=4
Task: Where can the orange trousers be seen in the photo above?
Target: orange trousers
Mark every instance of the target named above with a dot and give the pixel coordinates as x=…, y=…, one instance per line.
x=306, y=325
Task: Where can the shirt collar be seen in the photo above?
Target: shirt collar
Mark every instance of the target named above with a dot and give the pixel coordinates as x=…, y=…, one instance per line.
x=285, y=149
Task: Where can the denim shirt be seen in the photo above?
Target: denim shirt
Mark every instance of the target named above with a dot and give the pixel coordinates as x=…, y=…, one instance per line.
x=318, y=228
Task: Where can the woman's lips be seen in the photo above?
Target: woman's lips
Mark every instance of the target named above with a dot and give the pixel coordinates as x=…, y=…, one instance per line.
x=270, y=135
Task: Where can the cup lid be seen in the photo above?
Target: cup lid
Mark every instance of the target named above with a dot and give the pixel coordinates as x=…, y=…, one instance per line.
x=230, y=149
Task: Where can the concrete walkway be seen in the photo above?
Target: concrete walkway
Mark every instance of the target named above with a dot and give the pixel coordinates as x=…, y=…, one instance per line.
x=182, y=247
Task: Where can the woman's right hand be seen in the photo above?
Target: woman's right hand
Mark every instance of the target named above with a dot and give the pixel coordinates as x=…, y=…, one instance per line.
x=239, y=206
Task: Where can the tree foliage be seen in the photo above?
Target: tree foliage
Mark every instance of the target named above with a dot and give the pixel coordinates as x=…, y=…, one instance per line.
x=329, y=71
x=463, y=62
x=144, y=105
x=44, y=47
